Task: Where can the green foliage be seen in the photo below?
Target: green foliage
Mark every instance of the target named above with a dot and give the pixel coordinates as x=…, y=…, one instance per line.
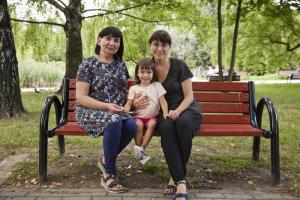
x=263, y=25
x=90, y=31
x=34, y=73
x=261, y=30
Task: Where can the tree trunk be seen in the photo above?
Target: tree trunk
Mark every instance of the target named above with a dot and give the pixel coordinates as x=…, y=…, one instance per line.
x=234, y=41
x=220, y=39
x=10, y=94
x=73, y=38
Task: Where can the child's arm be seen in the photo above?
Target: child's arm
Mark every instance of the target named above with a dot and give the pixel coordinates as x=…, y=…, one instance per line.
x=130, y=97
x=128, y=105
x=163, y=105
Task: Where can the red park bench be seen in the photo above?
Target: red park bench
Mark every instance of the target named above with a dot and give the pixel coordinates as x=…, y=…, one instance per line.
x=229, y=109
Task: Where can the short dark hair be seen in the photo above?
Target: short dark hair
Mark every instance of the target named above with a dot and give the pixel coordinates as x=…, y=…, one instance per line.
x=115, y=32
x=145, y=63
x=161, y=36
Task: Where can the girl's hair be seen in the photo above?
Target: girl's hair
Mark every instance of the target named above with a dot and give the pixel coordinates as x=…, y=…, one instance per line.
x=161, y=36
x=145, y=63
x=115, y=32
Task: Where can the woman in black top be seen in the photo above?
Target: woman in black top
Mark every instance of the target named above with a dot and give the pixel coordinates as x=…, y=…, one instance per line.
x=184, y=117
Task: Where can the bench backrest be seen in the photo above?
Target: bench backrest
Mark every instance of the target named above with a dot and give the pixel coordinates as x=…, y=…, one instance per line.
x=235, y=77
x=220, y=102
x=295, y=76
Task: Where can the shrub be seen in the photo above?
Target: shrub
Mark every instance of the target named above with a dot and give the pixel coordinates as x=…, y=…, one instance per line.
x=34, y=73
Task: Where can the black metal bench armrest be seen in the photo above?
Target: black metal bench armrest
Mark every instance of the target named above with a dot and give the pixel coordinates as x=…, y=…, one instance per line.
x=52, y=99
x=273, y=117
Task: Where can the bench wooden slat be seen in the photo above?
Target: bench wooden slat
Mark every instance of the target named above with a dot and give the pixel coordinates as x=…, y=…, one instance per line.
x=203, y=96
x=221, y=97
x=224, y=107
x=72, y=94
x=228, y=130
x=72, y=83
x=207, y=118
x=73, y=128
x=221, y=86
x=71, y=117
x=225, y=119
x=72, y=105
x=70, y=128
x=205, y=107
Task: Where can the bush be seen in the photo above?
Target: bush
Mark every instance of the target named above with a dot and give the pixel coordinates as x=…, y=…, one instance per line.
x=34, y=73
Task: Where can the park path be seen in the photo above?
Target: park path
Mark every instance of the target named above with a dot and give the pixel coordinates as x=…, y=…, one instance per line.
x=230, y=193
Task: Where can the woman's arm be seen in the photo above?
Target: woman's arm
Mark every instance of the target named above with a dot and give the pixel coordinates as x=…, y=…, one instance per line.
x=140, y=101
x=82, y=98
x=188, y=98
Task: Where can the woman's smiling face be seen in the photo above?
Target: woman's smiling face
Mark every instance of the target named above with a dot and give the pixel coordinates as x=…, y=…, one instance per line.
x=109, y=44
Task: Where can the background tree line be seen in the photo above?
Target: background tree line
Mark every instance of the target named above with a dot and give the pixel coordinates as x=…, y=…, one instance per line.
x=266, y=36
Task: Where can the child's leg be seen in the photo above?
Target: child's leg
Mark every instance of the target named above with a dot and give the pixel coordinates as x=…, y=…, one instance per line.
x=149, y=133
x=139, y=133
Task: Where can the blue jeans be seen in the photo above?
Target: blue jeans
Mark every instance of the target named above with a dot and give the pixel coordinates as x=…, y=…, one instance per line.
x=116, y=137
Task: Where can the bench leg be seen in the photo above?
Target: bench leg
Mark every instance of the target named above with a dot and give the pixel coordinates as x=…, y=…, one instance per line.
x=256, y=148
x=275, y=159
x=61, y=144
x=43, y=151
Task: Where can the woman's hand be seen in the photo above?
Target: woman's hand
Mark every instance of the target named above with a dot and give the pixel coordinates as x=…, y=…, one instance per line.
x=114, y=108
x=140, y=101
x=173, y=114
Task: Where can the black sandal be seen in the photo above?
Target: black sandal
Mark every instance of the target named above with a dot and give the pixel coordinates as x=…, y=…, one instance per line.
x=109, y=183
x=181, y=195
x=171, y=187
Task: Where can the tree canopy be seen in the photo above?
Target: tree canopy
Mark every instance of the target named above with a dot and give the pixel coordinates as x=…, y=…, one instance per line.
x=268, y=36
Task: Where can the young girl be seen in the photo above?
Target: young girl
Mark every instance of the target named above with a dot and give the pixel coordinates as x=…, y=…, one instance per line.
x=145, y=75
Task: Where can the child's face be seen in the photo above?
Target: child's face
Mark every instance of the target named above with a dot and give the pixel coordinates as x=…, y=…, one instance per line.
x=145, y=75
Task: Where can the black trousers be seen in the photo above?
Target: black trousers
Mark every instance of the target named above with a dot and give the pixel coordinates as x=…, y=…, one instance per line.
x=176, y=140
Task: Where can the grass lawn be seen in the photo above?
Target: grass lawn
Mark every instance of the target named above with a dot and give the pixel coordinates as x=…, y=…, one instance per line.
x=221, y=155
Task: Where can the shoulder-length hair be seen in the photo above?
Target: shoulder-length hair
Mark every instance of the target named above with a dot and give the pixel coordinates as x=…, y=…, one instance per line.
x=145, y=63
x=115, y=32
x=160, y=36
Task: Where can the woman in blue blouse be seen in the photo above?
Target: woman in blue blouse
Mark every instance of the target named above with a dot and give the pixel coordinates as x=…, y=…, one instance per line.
x=101, y=93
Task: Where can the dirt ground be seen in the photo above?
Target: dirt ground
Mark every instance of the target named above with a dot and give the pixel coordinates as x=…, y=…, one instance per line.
x=78, y=169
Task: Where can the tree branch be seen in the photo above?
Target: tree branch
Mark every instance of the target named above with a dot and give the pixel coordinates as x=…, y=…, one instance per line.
x=57, y=5
x=136, y=6
x=288, y=46
x=121, y=10
x=145, y=20
x=291, y=25
x=38, y=22
x=95, y=9
x=62, y=3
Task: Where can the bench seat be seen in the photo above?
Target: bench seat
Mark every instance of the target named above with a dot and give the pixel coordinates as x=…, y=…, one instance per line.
x=73, y=128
